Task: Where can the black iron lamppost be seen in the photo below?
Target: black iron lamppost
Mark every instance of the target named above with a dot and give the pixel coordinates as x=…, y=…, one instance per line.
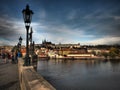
x=31, y=32
x=27, y=16
x=20, y=42
x=30, y=38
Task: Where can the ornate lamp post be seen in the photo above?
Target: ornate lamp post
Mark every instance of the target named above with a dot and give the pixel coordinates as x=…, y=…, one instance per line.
x=30, y=38
x=20, y=42
x=27, y=16
x=31, y=32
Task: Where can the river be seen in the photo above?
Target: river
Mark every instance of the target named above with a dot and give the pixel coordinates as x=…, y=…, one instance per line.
x=81, y=74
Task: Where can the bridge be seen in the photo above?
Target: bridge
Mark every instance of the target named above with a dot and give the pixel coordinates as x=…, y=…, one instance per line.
x=19, y=77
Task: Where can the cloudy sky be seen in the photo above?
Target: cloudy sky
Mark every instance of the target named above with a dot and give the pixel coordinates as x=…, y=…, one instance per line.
x=62, y=21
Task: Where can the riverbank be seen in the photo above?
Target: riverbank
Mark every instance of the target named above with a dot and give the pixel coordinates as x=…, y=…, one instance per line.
x=80, y=58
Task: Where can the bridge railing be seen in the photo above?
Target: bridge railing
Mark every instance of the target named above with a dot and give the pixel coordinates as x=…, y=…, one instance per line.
x=30, y=79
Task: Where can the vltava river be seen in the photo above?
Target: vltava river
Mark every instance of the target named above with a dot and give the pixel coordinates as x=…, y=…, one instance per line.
x=81, y=74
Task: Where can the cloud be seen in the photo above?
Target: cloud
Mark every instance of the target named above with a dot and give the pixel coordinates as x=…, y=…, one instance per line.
x=59, y=33
x=72, y=14
x=42, y=14
x=76, y=26
x=105, y=40
x=10, y=30
x=91, y=22
x=116, y=18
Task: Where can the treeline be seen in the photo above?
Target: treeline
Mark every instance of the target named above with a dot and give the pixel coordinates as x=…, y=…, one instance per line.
x=113, y=51
x=102, y=46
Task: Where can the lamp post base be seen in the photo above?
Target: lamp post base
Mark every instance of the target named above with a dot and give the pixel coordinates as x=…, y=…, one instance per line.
x=27, y=61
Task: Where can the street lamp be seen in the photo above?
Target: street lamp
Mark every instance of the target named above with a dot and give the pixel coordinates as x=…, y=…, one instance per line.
x=31, y=32
x=20, y=40
x=30, y=38
x=27, y=16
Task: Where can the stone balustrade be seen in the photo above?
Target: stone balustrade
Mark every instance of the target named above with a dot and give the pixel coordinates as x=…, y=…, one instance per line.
x=30, y=79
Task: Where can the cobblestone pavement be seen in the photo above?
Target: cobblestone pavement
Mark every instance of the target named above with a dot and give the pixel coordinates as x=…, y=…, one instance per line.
x=9, y=79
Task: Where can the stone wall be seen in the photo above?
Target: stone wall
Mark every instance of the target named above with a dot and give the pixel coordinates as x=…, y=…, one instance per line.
x=30, y=79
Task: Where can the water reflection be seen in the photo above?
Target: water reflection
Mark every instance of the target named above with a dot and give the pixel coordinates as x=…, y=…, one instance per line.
x=81, y=74
x=115, y=64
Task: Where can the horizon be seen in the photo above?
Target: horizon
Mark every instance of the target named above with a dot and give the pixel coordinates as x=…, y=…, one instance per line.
x=94, y=22
x=66, y=43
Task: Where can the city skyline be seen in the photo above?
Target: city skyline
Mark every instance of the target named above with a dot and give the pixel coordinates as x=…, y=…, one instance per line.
x=62, y=21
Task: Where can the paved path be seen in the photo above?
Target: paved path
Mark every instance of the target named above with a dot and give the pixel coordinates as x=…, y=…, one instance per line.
x=9, y=79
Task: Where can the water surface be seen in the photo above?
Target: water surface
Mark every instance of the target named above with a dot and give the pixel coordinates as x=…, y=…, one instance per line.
x=81, y=74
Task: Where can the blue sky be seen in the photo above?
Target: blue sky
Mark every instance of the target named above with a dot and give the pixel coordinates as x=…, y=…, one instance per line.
x=62, y=21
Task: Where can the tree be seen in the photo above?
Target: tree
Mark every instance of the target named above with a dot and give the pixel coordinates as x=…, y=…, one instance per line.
x=93, y=52
x=113, y=52
x=105, y=54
